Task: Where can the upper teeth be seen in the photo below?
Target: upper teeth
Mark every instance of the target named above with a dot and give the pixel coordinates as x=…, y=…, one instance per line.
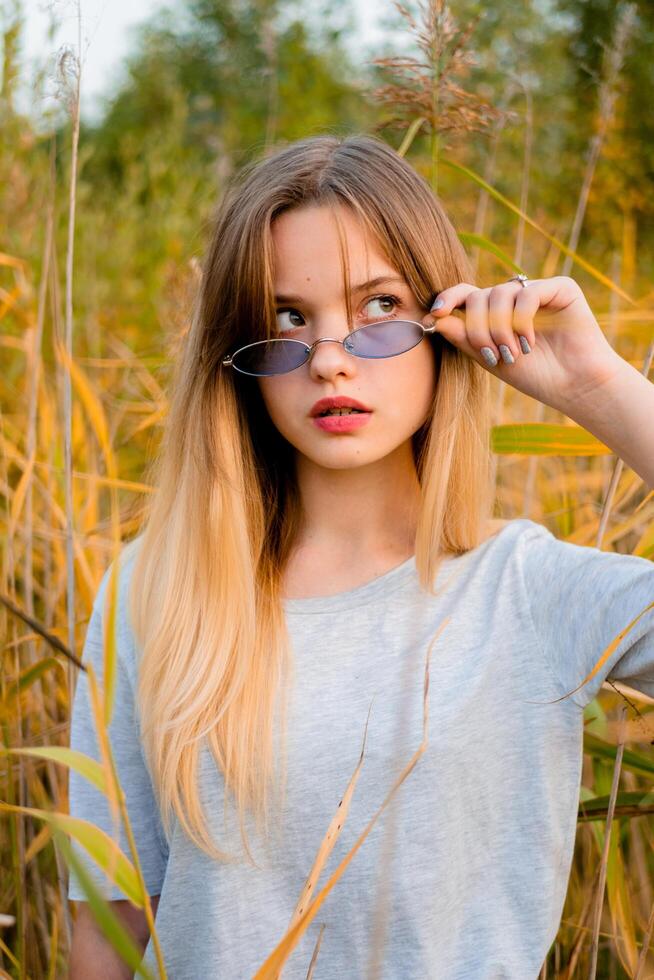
x=341, y=411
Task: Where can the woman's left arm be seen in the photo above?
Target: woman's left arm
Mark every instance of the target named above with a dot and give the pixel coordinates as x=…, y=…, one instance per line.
x=543, y=339
x=620, y=413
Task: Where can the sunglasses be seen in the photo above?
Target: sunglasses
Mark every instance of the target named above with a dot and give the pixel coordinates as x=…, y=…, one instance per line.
x=387, y=338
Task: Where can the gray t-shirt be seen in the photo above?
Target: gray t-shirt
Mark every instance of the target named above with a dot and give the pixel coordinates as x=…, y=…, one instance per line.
x=464, y=876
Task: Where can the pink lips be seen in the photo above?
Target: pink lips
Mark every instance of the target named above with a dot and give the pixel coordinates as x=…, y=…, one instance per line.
x=342, y=423
x=337, y=401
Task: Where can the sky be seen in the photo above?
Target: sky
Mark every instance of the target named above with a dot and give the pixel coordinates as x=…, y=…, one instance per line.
x=108, y=35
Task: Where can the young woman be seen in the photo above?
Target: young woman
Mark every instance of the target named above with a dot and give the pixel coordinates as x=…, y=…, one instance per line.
x=298, y=559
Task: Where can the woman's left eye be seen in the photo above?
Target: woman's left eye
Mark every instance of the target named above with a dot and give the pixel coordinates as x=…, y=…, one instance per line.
x=392, y=300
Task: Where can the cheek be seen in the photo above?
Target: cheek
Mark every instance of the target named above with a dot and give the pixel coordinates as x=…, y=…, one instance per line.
x=277, y=396
x=428, y=366
x=270, y=393
x=422, y=386
x=415, y=380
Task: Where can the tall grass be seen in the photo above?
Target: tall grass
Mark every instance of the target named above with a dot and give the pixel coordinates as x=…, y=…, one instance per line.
x=70, y=472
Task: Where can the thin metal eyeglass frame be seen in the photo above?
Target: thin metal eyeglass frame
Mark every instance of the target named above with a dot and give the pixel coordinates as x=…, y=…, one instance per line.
x=309, y=349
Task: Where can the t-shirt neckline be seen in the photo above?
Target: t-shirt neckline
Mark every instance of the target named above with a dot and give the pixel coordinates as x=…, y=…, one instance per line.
x=376, y=588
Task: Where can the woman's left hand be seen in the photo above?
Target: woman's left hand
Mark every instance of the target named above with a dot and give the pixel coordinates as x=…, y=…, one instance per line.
x=569, y=355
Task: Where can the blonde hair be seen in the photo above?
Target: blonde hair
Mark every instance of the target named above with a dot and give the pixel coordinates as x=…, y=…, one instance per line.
x=205, y=599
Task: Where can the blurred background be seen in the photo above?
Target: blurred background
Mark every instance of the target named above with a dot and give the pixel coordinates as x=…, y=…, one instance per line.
x=120, y=124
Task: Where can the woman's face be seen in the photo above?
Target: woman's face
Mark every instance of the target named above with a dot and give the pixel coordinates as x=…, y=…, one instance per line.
x=310, y=304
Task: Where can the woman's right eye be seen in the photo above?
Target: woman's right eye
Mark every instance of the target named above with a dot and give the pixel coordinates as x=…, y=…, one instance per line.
x=293, y=323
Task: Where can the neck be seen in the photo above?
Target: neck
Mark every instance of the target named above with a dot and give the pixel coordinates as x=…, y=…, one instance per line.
x=369, y=510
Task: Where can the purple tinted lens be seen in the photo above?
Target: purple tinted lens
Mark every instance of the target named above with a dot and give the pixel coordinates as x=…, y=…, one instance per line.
x=384, y=339
x=270, y=357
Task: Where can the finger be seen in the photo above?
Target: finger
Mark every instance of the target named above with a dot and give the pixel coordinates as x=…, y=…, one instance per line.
x=453, y=329
x=477, y=327
x=527, y=305
x=555, y=292
x=451, y=297
x=501, y=319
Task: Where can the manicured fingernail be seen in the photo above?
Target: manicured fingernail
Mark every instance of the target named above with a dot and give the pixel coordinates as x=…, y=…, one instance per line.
x=436, y=305
x=507, y=356
x=489, y=356
x=524, y=345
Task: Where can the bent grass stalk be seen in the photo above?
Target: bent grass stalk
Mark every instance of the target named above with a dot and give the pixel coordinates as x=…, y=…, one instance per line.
x=605, y=655
x=272, y=966
x=330, y=838
x=104, y=776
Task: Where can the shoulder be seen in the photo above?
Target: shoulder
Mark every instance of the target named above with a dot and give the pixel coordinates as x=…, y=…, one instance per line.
x=493, y=525
x=518, y=540
x=125, y=565
x=506, y=539
x=517, y=527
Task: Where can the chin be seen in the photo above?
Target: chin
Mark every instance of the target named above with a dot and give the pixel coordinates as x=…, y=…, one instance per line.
x=341, y=457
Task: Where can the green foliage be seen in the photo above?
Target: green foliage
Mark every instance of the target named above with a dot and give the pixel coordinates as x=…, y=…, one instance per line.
x=198, y=100
x=626, y=172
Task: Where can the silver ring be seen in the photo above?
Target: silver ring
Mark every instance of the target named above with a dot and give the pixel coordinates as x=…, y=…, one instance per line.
x=522, y=279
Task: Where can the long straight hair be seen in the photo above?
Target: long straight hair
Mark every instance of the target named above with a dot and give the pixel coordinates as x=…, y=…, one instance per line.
x=205, y=600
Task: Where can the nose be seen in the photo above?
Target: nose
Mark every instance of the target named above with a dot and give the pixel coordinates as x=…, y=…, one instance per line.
x=329, y=357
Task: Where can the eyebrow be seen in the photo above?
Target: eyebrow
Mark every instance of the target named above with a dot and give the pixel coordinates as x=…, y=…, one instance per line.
x=371, y=284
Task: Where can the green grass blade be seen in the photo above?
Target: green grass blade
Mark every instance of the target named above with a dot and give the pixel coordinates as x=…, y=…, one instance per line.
x=83, y=764
x=469, y=238
x=600, y=749
x=634, y=804
x=545, y=439
x=599, y=276
x=410, y=135
x=102, y=848
x=102, y=912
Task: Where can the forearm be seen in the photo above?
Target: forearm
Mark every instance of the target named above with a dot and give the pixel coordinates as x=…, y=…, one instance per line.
x=93, y=958
x=620, y=413
x=91, y=955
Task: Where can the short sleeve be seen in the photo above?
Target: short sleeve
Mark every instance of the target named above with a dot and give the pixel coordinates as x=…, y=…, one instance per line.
x=580, y=599
x=85, y=800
